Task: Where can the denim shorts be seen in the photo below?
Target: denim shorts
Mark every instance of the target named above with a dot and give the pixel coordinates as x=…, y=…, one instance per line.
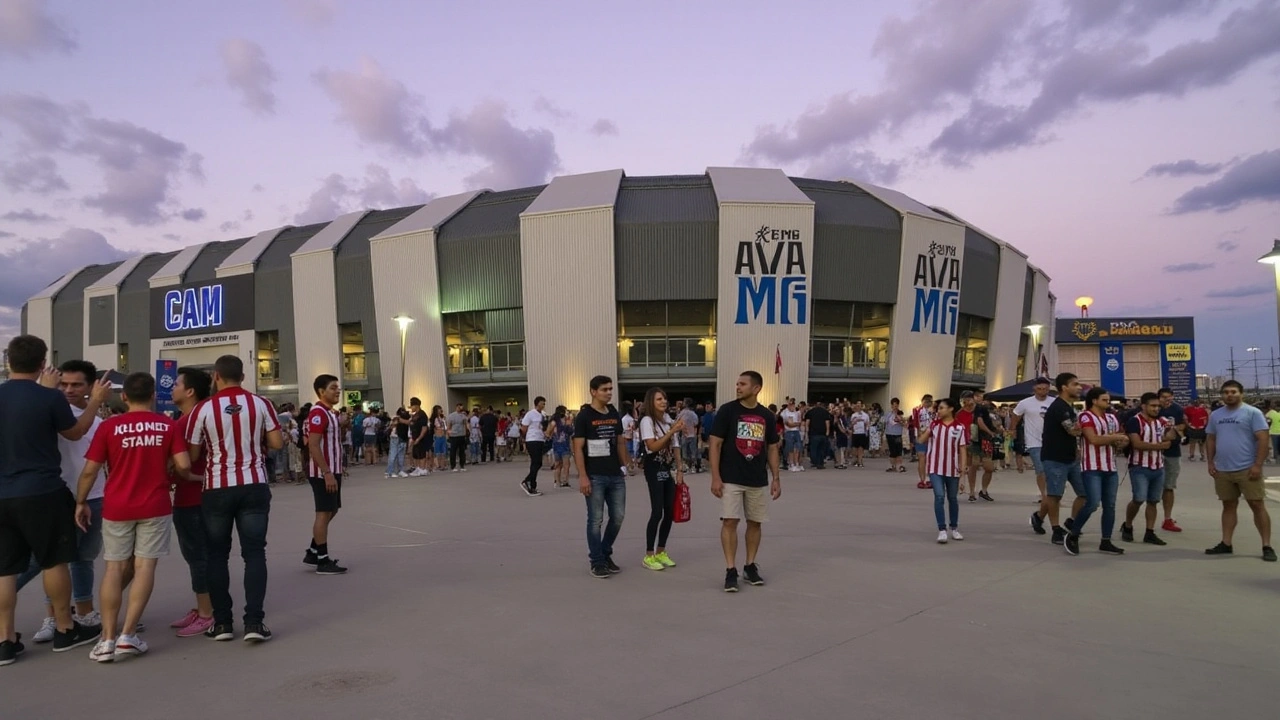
x=441, y=446
x=792, y=441
x=1036, y=463
x=1147, y=484
x=1058, y=474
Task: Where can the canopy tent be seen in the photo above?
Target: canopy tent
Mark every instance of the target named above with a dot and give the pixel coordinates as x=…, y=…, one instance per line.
x=1014, y=393
x=116, y=378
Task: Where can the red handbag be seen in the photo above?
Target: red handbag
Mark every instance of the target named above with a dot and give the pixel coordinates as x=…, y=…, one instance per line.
x=684, y=504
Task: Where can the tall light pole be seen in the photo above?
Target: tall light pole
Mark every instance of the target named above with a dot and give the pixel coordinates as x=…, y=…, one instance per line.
x=1273, y=258
x=1034, y=329
x=1083, y=303
x=403, y=321
x=1254, y=352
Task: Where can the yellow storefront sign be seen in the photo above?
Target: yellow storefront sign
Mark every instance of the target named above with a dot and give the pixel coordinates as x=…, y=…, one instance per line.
x=1177, y=352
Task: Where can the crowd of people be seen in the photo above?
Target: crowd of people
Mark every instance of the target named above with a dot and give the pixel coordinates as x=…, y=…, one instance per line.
x=77, y=481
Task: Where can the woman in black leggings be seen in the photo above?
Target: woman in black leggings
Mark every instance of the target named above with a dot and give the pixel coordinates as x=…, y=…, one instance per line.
x=661, y=460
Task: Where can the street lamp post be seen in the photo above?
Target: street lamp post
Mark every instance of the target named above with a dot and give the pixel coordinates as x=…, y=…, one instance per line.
x=1254, y=352
x=1034, y=329
x=403, y=321
x=1083, y=303
x=1273, y=258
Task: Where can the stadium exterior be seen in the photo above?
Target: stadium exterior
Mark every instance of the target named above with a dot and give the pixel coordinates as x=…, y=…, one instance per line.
x=828, y=288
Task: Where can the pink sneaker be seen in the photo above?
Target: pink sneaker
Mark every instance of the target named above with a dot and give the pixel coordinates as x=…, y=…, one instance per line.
x=186, y=620
x=197, y=627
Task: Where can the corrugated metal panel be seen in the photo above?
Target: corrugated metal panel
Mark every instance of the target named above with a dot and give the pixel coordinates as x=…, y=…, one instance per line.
x=1028, y=297
x=857, y=243
x=357, y=241
x=278, y=254
x=406, y=270
x=273, y=295
x=68, y=313
x=24, y=319
x=134, y=312
x=979, y=275
x=504, y=325
x=672, y=218
x=355, y=296
x=206, y=265
x=478, y=253
x=102, y=320
x=317, y=348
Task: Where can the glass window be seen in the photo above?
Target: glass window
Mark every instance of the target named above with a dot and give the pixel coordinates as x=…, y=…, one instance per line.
x=122, y=357
x=679, y=333
x=353, y=351
x=268, y=355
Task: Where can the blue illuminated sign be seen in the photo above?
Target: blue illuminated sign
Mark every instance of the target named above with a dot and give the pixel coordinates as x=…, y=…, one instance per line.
x=194, y=308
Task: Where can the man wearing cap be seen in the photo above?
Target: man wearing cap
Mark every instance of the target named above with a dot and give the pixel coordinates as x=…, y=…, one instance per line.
x=1030, y=411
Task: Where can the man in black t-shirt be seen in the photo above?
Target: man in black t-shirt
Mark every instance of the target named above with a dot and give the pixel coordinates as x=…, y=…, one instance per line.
x=743, y=453
x=488, y=434
x=602, y=462
x=982, y=449
x=419, y=437
x=1059, y=453
x=820, y=426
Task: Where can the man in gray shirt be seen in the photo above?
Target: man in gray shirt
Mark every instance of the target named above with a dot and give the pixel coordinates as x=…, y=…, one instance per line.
x=1236, y=445
x=457, y=422
x=689, y=437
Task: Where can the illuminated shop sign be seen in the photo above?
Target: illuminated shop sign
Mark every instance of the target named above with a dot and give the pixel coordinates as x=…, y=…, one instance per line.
x=193, y=308
x=200, y=308
x=1091, y=330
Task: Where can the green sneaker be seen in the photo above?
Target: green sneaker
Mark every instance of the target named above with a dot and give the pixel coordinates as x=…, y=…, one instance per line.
x=665, y=559
x=652, y=563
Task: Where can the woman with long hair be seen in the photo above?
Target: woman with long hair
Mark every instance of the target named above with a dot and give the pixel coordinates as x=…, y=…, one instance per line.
x=659, y=438
x=559, y=431
x=440, y=440
x=948, y=459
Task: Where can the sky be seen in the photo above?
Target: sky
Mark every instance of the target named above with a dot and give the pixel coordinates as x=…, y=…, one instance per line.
x=1131, y=149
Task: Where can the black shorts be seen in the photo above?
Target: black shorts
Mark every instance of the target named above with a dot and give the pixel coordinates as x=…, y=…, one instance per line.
x=1195, y=435
x=40, y=526
x=326, y=501
x=420, y=450
x=861, y=441
x=895, y=445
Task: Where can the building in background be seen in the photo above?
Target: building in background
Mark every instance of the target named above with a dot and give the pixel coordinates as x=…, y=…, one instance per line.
x=828, y=288
x=1130, y=356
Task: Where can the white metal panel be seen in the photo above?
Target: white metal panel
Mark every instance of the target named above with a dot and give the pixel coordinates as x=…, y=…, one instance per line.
x=315, y=319
x=755, y=343
x=406, y=282
x=56, y=286
x=243, y=260
x=104, y=356
x=113, y=279
x=1006, y=329
x=176, y=268
x=755, y=186
x=431, y=216
x=578, y=192
x=922, y=353
x=1043, y=311
x=40, y=318
x=903, y=203
x=332, y=234
x=567, y=343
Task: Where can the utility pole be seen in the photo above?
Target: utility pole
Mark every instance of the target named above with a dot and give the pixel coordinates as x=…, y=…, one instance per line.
x=1232, y=367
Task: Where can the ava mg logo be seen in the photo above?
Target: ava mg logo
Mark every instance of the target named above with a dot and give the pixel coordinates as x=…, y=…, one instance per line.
x=772, y=279
x=937, y=286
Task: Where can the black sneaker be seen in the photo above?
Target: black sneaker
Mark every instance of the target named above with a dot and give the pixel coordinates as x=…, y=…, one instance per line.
x=10, y=650
x=1219, y=549
x=1151, y=538
x=752, y=574
x=221, y=633
x=1106, y=547
x=256, y=633
x=612, y=566
x=1268, y=553
x=1071, y=544
x=1058, y=535
x=1069, y=524
x=327, y=566
x=986, y=496
x=1126, y=533
x=600, y=571
x=731, y=580
x=311, y=558
x=1037, y=523
x=75, y=637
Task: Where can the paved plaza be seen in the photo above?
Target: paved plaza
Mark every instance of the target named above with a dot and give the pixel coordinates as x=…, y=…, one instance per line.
x=467, y=599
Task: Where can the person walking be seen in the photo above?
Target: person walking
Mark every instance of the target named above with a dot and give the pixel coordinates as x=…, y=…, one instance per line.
x=947, y=457
x=535, y=439
x=1100, y=437
x=1236, y=446
x=1149, y=436
x=1030, y=412
x=663, y=471
x=744, y=452
x=602, y=456
x=560, y=432
x=1061, y=458
x=1175, y=416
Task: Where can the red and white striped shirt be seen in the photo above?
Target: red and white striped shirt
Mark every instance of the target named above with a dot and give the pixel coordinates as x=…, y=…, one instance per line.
x=946, y=442
x=1100, y=458
x=323, y=421
x=232, y=425
x=922, y=418
x=1148, y=430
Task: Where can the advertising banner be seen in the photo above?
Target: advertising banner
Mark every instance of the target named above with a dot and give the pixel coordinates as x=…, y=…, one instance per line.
x=1111, y=362
x=166, y=377
x=1178, y=369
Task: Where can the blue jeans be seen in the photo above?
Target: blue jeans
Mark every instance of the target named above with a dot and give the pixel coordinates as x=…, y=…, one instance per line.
x=818, y=447
x=1100, y=489
x=89, y=546
x=1058, y=474
x=1036, y=463
x=395, y=458
x=1147, y=484
x=951, y=486
x=248, y=508
x=610, y=490
x=689, y=452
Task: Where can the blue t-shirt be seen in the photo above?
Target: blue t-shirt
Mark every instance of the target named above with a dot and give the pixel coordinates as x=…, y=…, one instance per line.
x=31, y=416
x=1235, y=447
x=1174, y=412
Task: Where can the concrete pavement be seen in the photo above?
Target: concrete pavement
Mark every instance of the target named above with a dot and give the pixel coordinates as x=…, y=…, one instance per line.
x=467, y=599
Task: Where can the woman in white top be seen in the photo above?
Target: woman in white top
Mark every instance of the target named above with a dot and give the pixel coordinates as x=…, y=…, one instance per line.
x=659, y=437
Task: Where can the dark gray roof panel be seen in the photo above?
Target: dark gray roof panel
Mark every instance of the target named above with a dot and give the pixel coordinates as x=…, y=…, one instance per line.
x=140, y=278
x=74, y=290
x=356, y=243
x=493, y=213
x=206, y=263
x=666, y=199
x=839, y=203
x=277, y=254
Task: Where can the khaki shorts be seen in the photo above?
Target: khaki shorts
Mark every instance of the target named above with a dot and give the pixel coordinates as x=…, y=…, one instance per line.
x=1231, y=485
x=148, y=538
x=1172, y=469
x=739, y=499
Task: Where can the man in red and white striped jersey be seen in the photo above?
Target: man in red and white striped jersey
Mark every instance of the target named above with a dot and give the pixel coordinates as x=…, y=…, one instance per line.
x=234, y=424
x=1099, y=438
x=324, y=468
x=947, y=460
x=1150, y=435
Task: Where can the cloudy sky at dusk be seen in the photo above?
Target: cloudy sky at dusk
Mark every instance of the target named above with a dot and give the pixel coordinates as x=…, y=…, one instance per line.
x=1132, y=149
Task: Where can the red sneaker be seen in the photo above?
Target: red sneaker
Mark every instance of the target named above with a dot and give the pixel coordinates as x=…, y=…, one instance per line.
x=1170, y=526
x=928, y=485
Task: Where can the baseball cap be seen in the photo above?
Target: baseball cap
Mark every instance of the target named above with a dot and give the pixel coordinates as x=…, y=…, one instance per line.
x=966, y=394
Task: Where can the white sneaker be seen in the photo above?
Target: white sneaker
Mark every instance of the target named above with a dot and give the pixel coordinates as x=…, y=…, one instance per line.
x=91, y=619
x=130, y=645
x=403, y=474
x=104, y=651
x=942, y=537
x=46, y=631
x=955, y=534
